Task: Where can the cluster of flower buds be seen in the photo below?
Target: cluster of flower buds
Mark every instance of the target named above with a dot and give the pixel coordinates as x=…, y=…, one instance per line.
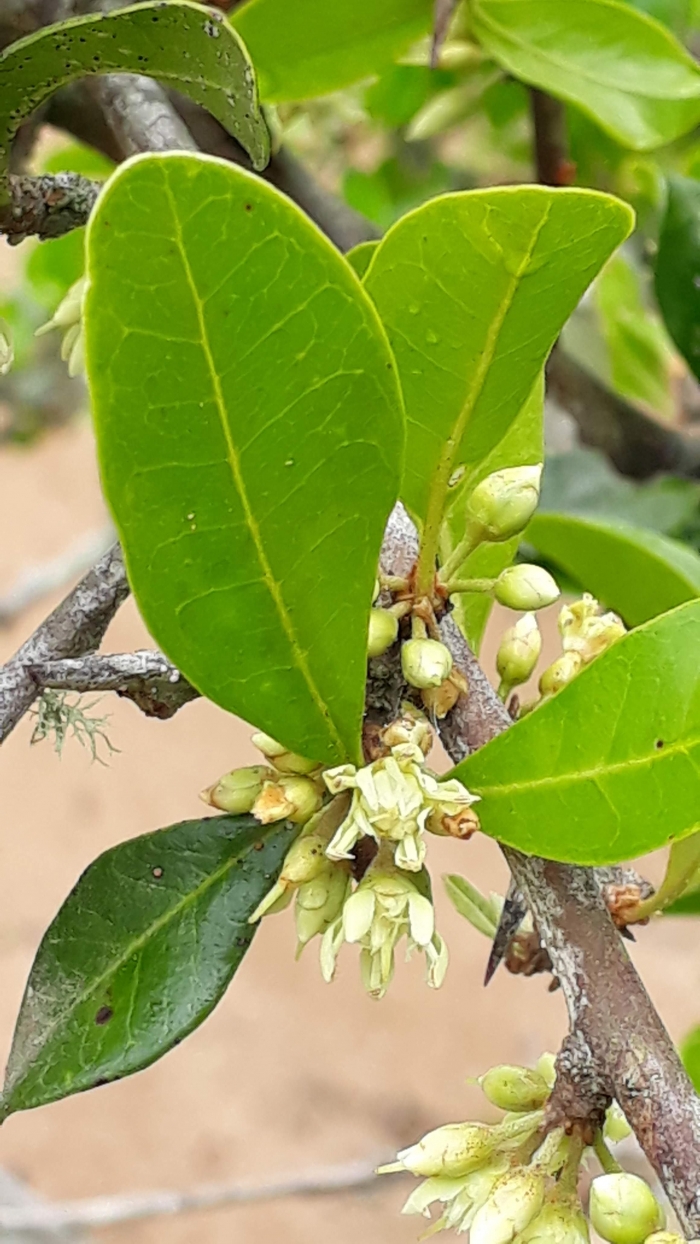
x=585, y=634
x=513, y=1180
x=391, y=802
x=68, y=319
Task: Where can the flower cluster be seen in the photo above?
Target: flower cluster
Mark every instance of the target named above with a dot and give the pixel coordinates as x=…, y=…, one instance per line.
x=517, y=1180
x=356, y=871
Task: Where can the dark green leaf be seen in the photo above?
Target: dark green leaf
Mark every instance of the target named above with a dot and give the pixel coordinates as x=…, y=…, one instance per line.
x=687, y=905
x=678, y=267
x=609, y=768
x=139, y=954
x=250, y=432
x=523, y=256
x=625, y=70
x=638, y=573
x=181, y=45
x=314, y=47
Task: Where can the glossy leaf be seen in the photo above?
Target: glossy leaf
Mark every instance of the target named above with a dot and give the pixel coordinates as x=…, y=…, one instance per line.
x=678, y=267
x=314, y=47
x=184, y=46
x=250, y=432
x=609, y=768
x=522, y=445
x=621, y=67
x=638, y=573
x=139, y=954
x=522, y=257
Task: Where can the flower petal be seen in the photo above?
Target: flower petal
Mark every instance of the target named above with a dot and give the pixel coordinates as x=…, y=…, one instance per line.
x=421, y=918
x=358, y=914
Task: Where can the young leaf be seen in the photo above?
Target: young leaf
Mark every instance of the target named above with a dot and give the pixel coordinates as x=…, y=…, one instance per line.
x=519, y=256
x=678, y=267
x=250, y=432
x=182, y=45
x=638, y=573
x=609, y=767
x=622, y=68
x=139, y=954
x=522, y=445
x=314, y=47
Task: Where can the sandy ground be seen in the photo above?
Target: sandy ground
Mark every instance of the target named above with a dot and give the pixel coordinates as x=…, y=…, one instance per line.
x=288, y=1072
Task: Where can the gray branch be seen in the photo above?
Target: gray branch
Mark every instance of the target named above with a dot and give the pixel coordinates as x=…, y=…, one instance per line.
x=47, y=206
x=148, y=678
x=35, y=582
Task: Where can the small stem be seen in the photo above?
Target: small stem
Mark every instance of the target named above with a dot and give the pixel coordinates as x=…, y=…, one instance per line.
x=400, y=609
x=418, y=628
x=469, y=585
x=683, y=864
x=393, y=583
x=609, y=1164
x=473, y=537
x=504, y=690
x=568, y=1180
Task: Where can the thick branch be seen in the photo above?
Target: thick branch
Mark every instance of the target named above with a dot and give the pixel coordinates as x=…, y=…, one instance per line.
x=140, y=115
x=47, y=206
x=76, y=626
x=551, y=152
x=148, y=678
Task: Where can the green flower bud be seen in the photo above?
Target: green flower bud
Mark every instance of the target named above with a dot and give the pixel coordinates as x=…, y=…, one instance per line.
x=305, y=859
x=546, y=1065
x=287, y=799
x=559, y=673
x=623, y=1208
x=237, y=791
x=558, y=1222
x=519, y=651
x=383, y=629
x=425, y=662
x=516, y=1199
x=616, y=1127
x=525, y=587
x=452, y=1150
x=280, y=756
x=503, y=503
x=320, y=901
x=514, y=1088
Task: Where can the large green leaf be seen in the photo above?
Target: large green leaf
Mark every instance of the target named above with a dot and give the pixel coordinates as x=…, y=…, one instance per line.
x=622, y=68
x=609, y=767
x=139, y=954
x=312, y=47
x=522, y=445
x=473, y=289
x=638, y=573
x=678, y=267
x=183, y=45
x=250, y=433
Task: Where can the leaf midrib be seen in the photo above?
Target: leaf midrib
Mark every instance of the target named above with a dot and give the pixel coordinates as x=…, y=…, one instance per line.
x=133, y=947
x=566, y=66
x=583, y=775
x=446, y=462
x=271, y=582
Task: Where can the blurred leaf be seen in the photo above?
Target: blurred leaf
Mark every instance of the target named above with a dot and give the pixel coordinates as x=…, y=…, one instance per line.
x=139, y=954
x=522, y=445
x=639, y=351
x=251, y=448
x=393, y=189
x=181, y=45
x=678, y=268
x=676, y=14
x=54, y=265
x=360, y=256
x=481, y=912
x=624, y=69
x=314, y=47
x=690, y=1053
x=401, y=90
x=583, y=482
x=77, y=158
x=523, y=256
x=608, y=768
x=687, y=905
x=638, y=573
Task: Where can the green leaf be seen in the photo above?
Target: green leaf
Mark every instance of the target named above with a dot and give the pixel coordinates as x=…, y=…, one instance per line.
x=360, y=256
x=639, y=350
x=674, y=13
x=638, y=573
x=250, y=433
x=314, y=47
x=139, y=954
x=522, y=445
x=483, y=913
x=473, y=289
x=690, y=1053
x=622, y=68
x=55, y=265
x=609, y=768
x=687, y=905
x=678, y=268
x=182, y=45
x=582, y=481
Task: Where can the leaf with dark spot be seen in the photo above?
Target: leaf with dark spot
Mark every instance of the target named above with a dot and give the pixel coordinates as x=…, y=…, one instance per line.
x=139, y=954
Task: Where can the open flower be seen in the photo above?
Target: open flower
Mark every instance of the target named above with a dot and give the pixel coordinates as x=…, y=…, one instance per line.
x=385, y=907
x=393, y=799
x=587, y=632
